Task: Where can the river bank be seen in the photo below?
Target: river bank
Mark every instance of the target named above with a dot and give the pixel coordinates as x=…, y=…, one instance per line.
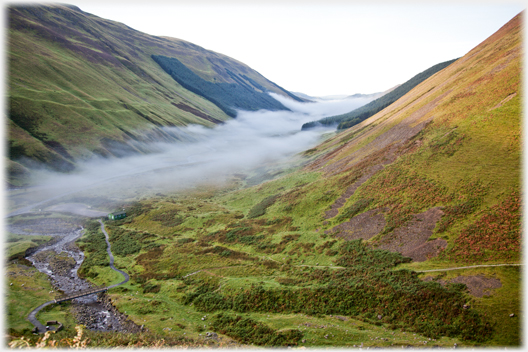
x=60, y=258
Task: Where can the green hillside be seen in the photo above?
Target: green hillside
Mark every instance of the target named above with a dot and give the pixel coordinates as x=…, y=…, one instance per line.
x=79, y=85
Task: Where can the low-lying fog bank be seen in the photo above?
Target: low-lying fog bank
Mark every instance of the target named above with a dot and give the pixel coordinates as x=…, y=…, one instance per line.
x=239, y=145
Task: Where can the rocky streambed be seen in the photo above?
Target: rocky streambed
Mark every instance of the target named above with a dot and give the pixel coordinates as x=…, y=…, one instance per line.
x=60, y=259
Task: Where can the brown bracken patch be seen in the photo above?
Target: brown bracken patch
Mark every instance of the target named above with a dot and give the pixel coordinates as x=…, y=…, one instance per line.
x=197, y=112
x=478, y=285
x=411, y=239
x=364, y=226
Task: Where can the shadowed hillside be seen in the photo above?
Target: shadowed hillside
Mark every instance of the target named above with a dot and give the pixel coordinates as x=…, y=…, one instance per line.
x=80, y=85
x=227, y=96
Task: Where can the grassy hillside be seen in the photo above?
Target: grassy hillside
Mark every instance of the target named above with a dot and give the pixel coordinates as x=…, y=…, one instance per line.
x=80, y=85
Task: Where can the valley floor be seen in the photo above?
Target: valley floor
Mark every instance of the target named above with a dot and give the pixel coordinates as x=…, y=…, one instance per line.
x=228, y=266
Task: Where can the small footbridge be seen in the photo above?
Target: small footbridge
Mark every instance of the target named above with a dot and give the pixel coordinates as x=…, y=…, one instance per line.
x=32, y=317
x=78, y=294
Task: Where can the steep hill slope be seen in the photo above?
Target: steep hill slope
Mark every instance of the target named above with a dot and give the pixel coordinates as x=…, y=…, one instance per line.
x=337, y=252
x=453, y=141
x=80, y=85
x=436, y=175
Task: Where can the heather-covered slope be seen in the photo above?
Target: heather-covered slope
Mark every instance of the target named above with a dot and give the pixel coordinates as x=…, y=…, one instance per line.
x=453, y=142
x=80, y=85
x=436, y=176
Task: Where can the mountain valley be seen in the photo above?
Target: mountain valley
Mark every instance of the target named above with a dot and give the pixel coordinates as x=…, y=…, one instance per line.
x=402, y=230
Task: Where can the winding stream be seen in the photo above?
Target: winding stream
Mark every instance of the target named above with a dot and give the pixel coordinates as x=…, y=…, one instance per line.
x=52, y=259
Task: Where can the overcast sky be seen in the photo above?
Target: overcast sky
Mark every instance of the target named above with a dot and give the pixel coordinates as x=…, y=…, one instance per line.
x=320, y=47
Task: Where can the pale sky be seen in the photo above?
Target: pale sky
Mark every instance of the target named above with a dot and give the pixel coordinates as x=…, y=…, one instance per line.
x=321, y=47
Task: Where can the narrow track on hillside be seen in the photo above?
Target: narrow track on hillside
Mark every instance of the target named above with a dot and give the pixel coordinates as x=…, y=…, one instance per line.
x=342, y=267
x=467, y=267
x=32, y=317
x=127, y=277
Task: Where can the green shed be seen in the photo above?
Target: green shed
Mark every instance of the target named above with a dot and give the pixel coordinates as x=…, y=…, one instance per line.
x=117, y=216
